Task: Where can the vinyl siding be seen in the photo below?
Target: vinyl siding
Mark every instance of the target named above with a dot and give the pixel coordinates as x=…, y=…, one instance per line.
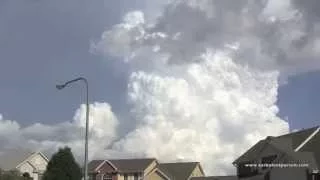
x=150, y=167
x=155, y=176
x=39, y=163
x=26, y=167
x=120, y=177
x=197, y=172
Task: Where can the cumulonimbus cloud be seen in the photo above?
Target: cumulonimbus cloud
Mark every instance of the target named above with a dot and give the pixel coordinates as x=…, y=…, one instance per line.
x=205, y=76
x=203, y=84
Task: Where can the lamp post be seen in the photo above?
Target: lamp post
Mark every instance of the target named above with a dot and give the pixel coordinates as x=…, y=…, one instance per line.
x=61, y=86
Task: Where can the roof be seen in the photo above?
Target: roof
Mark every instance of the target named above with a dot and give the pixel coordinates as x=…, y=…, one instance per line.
x=305, y=158
x=14, y=157
x=178, y=171
x=124, y=165
x=216, y=178
x=313, y=146
x=94, y=164
x=132, y=165
x=287, y=143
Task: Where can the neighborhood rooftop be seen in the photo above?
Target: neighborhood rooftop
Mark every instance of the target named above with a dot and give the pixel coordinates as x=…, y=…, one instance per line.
x=286, y=143
x=123, y=165
x=179, y=170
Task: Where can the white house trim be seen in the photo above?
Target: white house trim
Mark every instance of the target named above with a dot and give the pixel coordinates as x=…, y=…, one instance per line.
x=100, y=165
x=307, y=140
x=156, y=170
x=163, y=174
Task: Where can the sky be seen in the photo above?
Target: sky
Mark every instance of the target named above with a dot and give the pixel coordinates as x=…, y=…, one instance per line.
x=157, y=76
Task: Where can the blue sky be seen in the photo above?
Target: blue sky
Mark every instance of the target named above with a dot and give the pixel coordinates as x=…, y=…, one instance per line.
x=44, y=43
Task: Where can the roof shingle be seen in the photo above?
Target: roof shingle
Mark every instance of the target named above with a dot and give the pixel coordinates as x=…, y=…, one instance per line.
x=178, y=171
x=132, y=165
x=124, y=165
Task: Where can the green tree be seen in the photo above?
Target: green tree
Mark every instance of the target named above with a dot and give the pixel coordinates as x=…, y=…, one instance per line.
x=62, y=166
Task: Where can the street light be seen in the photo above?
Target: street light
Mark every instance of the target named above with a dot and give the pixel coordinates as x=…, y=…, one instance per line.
x=61, y=86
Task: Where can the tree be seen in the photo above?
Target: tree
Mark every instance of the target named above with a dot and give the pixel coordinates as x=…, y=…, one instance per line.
x=10, y=175
x=26, y=176
x=62, y=166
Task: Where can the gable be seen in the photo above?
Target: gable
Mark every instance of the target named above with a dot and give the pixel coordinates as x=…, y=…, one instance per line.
x=105, y=167
x=38, y=161
x=197, y=172
x=26, y=167
x=157, y=175
x=181, y=170
x=151, y=167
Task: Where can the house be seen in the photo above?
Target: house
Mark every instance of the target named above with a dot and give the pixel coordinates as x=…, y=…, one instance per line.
x=25, y=162
x=122, y=169
x=294, y=156
x=181, y=170
x=146, y=169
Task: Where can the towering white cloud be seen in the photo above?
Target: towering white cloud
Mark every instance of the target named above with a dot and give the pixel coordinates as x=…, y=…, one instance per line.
x=205, y=76
x=203, y=82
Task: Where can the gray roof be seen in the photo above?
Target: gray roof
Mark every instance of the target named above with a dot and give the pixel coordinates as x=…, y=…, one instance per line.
x=313, y=146
x=92, y=165
x=132, y=165
x=178, y=171
x=216, y=178
x=124, y=165
x=305, y=158
x=287, y=143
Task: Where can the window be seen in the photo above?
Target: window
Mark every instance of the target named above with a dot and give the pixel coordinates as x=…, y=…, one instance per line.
x=107, y=177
